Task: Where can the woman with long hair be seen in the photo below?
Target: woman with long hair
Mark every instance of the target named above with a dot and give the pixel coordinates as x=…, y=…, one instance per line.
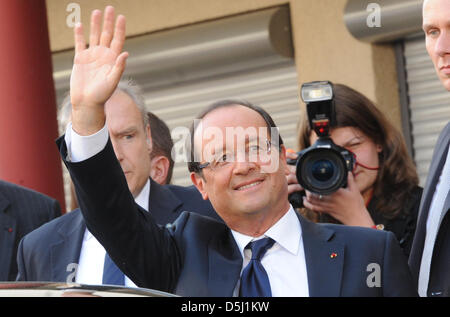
x=382, y=190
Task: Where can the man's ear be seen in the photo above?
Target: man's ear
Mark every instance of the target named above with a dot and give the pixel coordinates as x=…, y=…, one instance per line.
x=199, y=181
x=159, y=169
x=149, y=138
x=283, y=152
x=283, y=159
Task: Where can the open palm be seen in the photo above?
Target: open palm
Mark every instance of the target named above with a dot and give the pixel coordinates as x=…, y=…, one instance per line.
x=97, y=70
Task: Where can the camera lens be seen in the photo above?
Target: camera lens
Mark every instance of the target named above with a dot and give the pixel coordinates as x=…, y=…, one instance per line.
x=321, y=170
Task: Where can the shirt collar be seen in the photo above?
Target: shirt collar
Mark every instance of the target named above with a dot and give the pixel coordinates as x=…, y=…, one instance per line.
x=141, y=199
x=286, y=232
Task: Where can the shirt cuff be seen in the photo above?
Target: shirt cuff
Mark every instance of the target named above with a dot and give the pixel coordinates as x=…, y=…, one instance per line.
x=80, y=148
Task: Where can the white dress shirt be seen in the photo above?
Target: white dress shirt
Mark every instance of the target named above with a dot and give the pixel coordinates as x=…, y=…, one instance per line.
x=92, y=255
x=284, y=262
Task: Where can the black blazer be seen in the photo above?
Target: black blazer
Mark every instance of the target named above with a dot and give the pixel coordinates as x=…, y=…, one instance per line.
x=50, y=252
x=21, y=211
x=404, y=225
x=439, y=282
x=167, y=202
x=198, y=256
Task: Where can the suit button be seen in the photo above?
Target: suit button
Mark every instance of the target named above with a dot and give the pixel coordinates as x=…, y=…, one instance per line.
x=438, y=293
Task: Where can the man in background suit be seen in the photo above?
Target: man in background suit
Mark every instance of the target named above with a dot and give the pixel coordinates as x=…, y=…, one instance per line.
x=430, y=255
x=244, y=177
x=161, y=161
x=21, y=211
x=64, y=250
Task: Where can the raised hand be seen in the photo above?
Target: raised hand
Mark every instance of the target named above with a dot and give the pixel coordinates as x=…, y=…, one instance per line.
x=97, y=70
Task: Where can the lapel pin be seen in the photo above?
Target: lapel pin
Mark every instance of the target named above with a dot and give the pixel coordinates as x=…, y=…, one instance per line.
x=333, y=255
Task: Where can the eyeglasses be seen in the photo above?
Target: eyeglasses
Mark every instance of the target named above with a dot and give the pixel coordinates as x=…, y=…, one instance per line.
x=255, y=151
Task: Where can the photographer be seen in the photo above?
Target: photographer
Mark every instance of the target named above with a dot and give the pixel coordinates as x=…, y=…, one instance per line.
x=382, y=190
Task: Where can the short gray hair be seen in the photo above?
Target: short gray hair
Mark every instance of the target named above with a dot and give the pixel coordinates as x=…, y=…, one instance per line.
x=127, y=86
x=135, y=93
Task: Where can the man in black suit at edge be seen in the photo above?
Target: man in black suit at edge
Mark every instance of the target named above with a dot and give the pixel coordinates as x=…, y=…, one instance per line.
x=64, y=250
x=21, y=211
x=430, y=255
x=245, y=182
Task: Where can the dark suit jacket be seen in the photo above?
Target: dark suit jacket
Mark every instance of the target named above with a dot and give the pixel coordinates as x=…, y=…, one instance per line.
x=168, y=201
x=47, y=253
x=198, y=256
x=21, y=211
x=439, y=282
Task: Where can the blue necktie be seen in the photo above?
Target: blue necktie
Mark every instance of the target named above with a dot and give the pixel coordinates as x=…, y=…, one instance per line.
x=112, y=275
x=254, y=279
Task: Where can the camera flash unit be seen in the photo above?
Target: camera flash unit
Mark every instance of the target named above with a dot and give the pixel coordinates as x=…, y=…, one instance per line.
x=317, y=91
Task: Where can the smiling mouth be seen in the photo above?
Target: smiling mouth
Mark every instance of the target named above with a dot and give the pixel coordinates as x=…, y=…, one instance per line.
x=248, y=185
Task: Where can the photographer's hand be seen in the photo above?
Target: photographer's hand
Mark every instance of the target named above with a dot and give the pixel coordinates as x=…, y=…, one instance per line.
x=345, y=205
x=97, y=70
x=293, y=185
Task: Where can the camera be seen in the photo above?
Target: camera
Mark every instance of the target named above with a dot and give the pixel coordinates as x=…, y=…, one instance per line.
x=322, y=168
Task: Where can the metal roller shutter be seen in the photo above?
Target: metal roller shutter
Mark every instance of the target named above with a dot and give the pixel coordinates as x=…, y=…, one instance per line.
x=429, y=102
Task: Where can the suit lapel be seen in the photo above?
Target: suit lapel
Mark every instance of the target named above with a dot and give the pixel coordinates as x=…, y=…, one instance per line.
x=324, y=259
x=437, y=163
x=7, y=237
x=446, y=207
x=447, y=199
x=434, y=172
x=67, y=249
x=162, y=203
x=225, y=264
